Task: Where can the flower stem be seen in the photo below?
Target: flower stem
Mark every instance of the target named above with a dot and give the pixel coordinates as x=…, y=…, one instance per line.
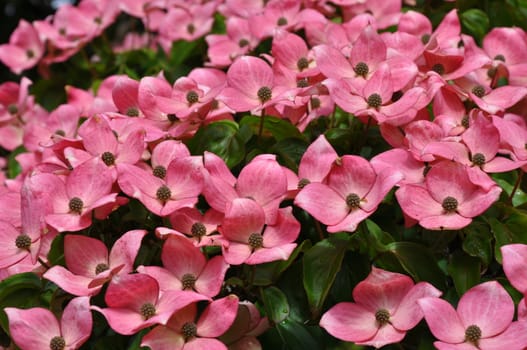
x=516, y=185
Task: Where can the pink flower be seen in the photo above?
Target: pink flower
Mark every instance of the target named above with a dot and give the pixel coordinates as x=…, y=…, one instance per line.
x=384, y=309
x=38, y=328
x=483, y=320
x=448, y=198
x=352, y=192
x=248, y=240
x=89, y=265
x=186, y=331
x=316, y=162
x=24, y=49
x=201, y=229
x=186, y=268
x=514, y=262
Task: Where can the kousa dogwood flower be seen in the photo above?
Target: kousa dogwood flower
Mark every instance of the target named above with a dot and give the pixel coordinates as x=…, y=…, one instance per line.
x=88, y=264
x=179, y=188
x=483, y=320
x=263, y=180
x=188, y=22
x=316, y=162
x=186, y=268
x=246, y=238
x=24, y=49
x=125, y=94
x=384, y=309
x=514, y=259
x=38, y=328
x=187, y=331
x=448, y=198
x=351, y=193
x=134, y=302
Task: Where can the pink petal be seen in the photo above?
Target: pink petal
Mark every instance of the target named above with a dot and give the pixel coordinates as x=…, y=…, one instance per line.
x=76, y=322
x=317, y=160
x=181, y=257
x=350, y=222
x=132, y=292
x=124, y=93
x=285, y=230
x=184, y=178
x=332, y=63
x=514, y=337
x=125, y=249
x=354, y=174
x=236, y=253
x=385, y=335
x=163, y=338
x=211, y=278
x=166, y=279
x=83, y=254
x=73, y=284
x=442, y=320
x=408, y=313
x=205, y=343
x=248, y=74
x=451, y=221
x=89, y=181
x=417, y=202
x=218, y=317
x=449, y=179
x=32, y=328
x=384, y=182
x=242, y=218
x=482, y=137
x=321, y=201
x=478, y=202
x=122, y=320
x=514, y=262
x=487, y=305
x=380, y=83
x=349, y=322
x=263, y=255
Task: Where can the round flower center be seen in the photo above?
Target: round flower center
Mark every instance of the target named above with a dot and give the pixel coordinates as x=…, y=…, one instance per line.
x=98, y=20
x=198, y=229
x=23, y=241
x=188, y=281
x=76, y=205
x=108, y=158
x=30, y=53
x=160, y=171
x=396, y=96
x=303, y=183
x=479, y=91
x=302, y=63
x=57, y=343
x=438, y=68
x=374, y=100
x=60, y=132
x=264, y=94
x=189, y=330
x=500, y=58
x=450, y=204
x=315, y=102
x=243, y=42
x=491, y=72
x=361, y=69
x=163, y=193
x=132, y=112
x=171, y=117
x=465, y=122
x=478, y=159
x=12, y=108
x=282, y=21
x=148, y=310
x=302, y=83
x=191, y=28
x=255, y=240
x=62, y=31
x=353, y=201
x=425, y=38
x=382, y=316
x=192, y=97
x=101, y=268
x=473, y=334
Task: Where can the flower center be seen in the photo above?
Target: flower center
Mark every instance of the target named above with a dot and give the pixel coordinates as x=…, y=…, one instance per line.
x=108, y=158
x=282, y=21
x=361, y=69
x=382, y=316
x=163, y=193
x=62, y=31
x=473, y=334
x=264, y=94
x=132, y=112
x=479, y=91
x=255, y=240
x=57, y=343
x=438, y=68
x=315, y=102
x=353, y=201
x=12, y=109
x=148, y=310
x=478, y=159
x=303, y=183
x=23, y=241
x=465, y=122
x=374, y=100
x=198, y=229
x=450, y=204
x=60, y=132
x=189, y=330
x=500, y=58
x=76, y=205
x=302, y=63
x=243, y=42
x=191, y=28
x=98, y=20
x=192, y=97
x=171, y=117
x=160, y=171
x=30, y=53
x=188, y=281
x=101, y=268
x=425, y=38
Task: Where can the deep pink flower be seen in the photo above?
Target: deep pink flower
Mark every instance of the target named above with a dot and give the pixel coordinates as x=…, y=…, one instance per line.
x=352, y=192
x=384, y=309
x=38, y=328
x=24, y=49
x=201, y=229
x=186, y=331
x=483, y=320
x=88, y=264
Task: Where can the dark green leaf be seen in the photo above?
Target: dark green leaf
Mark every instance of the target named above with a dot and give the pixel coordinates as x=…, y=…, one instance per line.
x=13, y=168
x=296, y=336
x=280, y=129
x=511, y=231
x=276, y=304
x=290, y=151
x=56, y=252
x=477, y=242
x=465, y=271
x=321, y=264
x=476, y=21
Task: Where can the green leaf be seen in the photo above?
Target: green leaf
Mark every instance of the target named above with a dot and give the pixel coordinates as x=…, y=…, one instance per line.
x=56, y=252
x=276, y=304
x=419, y=262
x=476, y=21
x=296, y=336
x=279, y=128
x=340, y=139
x=477, y=242
x=290, y=151
x=13, y=168
x=511, y=231
x=371, y=239
x=321, y=264
x=465, y=271
x=221, y=138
